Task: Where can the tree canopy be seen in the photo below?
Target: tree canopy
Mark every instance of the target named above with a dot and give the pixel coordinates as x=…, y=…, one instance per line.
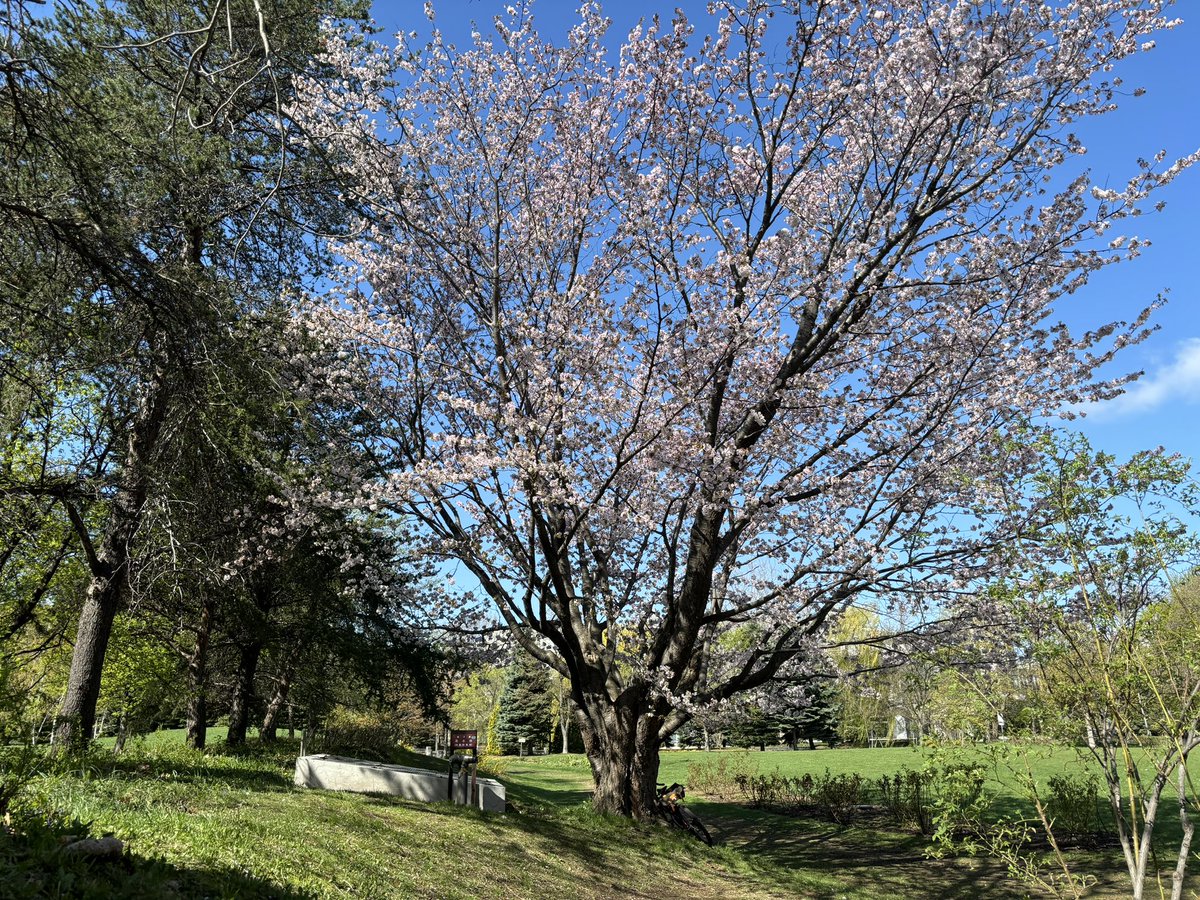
x=734, y=325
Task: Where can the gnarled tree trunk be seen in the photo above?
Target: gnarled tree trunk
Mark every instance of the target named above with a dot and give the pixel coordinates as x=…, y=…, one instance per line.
x=622, y=742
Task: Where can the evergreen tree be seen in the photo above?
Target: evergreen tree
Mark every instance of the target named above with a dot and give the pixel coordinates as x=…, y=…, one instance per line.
x=152, y=189
x=817, y=720
x=755, y=728
x=525, y=706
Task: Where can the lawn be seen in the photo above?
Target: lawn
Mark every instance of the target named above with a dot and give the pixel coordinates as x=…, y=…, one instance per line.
x=875, y=858
x=218, y=824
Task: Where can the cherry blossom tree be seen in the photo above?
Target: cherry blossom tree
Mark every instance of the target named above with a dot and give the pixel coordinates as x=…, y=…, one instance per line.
x=726, y=332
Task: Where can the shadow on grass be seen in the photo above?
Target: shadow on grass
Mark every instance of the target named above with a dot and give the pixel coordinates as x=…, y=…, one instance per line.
x=528, y=796
x=207, y=769
x=254, y=766
x=34, y=866
x=782, y=853
x=879, y=863
x=604, y=856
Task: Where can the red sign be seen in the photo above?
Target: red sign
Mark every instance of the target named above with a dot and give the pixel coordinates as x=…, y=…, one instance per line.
x=464, y=740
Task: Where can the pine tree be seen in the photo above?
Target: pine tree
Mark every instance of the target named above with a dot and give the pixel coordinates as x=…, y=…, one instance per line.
x=755, y=728
x=818, y=720
x=524, y=706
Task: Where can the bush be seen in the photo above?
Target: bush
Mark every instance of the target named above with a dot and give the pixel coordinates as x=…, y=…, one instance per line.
x=838, y=795
x=905, y=796
x=1072, y=804
x=17, y=766
x=717, y=774
x=493, y=766
x=760, y=790
x=366, y=735
x=957, y=801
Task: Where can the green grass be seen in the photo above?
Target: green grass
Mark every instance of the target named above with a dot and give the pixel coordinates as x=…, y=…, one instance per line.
x=221, y=824
x=232, y=825
x=872, y=857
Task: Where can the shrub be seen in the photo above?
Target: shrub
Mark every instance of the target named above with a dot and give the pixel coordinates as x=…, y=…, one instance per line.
x=760, y=790
x=905, y=796
x=718, y=774
x=806, y=786
x=944, y=797
x=17, y=767
x=957, y=800
x=493, y=766
x=1072, y=804
x=838, y=795
x=366, y=735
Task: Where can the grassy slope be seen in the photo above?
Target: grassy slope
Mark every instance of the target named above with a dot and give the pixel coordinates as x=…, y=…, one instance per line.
x=215, y=825
x=233, y=826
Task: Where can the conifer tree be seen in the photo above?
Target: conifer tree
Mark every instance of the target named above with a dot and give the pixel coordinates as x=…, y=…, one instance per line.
x=524, y=706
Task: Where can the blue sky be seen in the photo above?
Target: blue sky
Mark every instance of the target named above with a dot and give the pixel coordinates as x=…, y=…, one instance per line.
x=1160, y=408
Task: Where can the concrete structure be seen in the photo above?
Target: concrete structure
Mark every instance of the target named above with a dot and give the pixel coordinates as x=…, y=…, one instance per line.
x=340, y=773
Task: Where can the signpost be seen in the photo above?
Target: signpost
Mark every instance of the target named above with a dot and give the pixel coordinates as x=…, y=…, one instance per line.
x=462, y=742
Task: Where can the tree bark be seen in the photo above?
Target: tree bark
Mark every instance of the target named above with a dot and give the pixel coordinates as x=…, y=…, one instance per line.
x=243, y=693
x=279, y=697
x=564, y=712
x=254, y=631
x=109, y=564
x=122, y=733
x=197, y=707
x=622, y=744
x=77, y=716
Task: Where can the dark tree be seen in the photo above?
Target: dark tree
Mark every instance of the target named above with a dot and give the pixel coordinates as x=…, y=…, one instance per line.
x=816, y=719
x=525, y=706
x=754, y=728
x=151, y=190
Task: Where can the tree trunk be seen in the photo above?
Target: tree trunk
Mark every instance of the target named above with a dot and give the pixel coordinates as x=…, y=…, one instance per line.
x=279, y=697
x=254, y=631
x=564, y=714
x=197, y=719
x=77, y=716
x=109, y=564
x=243, y=693
x=197, y=707
x=622, y=744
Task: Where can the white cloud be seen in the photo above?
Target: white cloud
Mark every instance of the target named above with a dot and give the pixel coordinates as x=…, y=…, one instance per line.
x=1175, y=382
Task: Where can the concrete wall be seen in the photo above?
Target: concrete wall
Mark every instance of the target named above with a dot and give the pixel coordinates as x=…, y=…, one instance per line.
x=340, y=773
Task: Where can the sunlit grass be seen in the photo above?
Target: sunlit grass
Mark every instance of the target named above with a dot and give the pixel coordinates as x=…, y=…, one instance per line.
x=224, y=824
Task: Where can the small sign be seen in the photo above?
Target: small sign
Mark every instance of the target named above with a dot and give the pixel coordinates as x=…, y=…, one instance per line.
x=464, y=740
